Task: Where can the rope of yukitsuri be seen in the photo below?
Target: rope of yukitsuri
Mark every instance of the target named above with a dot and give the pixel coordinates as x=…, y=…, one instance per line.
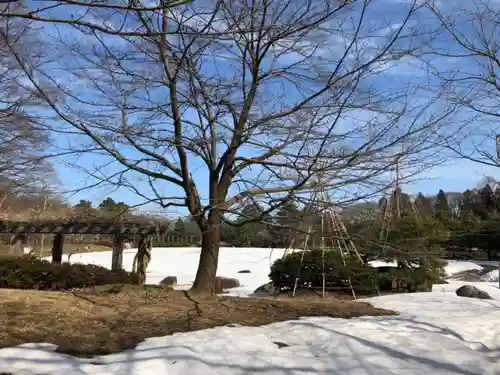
x=142, y=258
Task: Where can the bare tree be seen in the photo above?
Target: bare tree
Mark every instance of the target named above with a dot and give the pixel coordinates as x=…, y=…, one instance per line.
x=468, y=67
x=23, y=139
x=221, y=102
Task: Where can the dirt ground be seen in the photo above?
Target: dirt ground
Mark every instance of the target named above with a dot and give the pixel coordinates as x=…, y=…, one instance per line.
x=110, y=319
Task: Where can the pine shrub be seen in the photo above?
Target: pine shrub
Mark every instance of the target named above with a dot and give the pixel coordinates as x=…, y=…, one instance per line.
x=309, y=271
x=364, y=278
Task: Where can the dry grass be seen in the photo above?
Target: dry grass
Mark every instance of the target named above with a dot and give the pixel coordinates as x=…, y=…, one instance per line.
x=113, y=318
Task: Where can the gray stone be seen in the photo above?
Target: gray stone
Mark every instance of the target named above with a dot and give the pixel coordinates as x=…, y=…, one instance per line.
x=281, y=344
x=222, y=283
x=169, y=281
x=267, y=288
x=471, y=291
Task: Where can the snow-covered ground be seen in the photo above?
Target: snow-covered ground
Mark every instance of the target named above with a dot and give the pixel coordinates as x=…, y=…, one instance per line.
x=183, y=261
x=456, y=266
x=491, y=276
x=435, y=333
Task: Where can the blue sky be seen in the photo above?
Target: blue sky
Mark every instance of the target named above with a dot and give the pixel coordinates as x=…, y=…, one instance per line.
x=455, y=175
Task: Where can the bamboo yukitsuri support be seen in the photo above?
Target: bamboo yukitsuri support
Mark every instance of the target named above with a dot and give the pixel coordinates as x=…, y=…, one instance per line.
x=142, y=258
x=117, y=256
x=57, y=248
x=338, y=237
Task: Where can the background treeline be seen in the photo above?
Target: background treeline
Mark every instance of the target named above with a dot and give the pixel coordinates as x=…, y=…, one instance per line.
x=465, y=225
x=469, y=222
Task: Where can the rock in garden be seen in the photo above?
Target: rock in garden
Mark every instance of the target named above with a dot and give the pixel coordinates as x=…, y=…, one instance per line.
x=222, y=283
x=169, y=281
x=281, y=344
x=245, y=271
x=266, y=288
x=472, y=292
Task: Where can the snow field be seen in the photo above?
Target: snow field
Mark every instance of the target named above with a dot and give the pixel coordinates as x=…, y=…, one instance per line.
x=490, y=276
x=456, y=266
x=183, y=262
x=434, y=333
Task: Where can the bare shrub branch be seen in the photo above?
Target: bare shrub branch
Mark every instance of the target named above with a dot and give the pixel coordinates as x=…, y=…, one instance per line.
x=23, y=138
x=468, y=70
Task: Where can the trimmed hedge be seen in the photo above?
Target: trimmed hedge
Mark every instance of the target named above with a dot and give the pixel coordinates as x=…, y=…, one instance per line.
x=29, y=272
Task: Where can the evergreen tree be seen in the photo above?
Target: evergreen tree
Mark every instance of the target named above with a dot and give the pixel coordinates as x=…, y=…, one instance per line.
x=407, y=205
x=192, y=230
x=466, y=204
x=400, y=204
x=110, y=205
x=487, y=199
x=178, y=235
x=179, y=227
x=415, y=244
x=395, y=203
x=496, y=200
x=288, y=214
x=423, y=205
x=84, y=208
x=487, y=180
x=83, y=205
x=248, y=233
x=479, y=234
x=382, y=204
x=441, y=207
x=287, y=219
x=311, y=218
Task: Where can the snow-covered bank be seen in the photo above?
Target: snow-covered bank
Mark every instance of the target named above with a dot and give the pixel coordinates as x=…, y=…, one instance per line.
x=452, y=267
x=491, y=276
x=436, y=333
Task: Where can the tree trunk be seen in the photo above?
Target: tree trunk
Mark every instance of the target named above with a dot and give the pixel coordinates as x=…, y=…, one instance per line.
x=143, y=258
x=204, y=283
x=57, y=248
x=40, y=250
x=117, y=254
